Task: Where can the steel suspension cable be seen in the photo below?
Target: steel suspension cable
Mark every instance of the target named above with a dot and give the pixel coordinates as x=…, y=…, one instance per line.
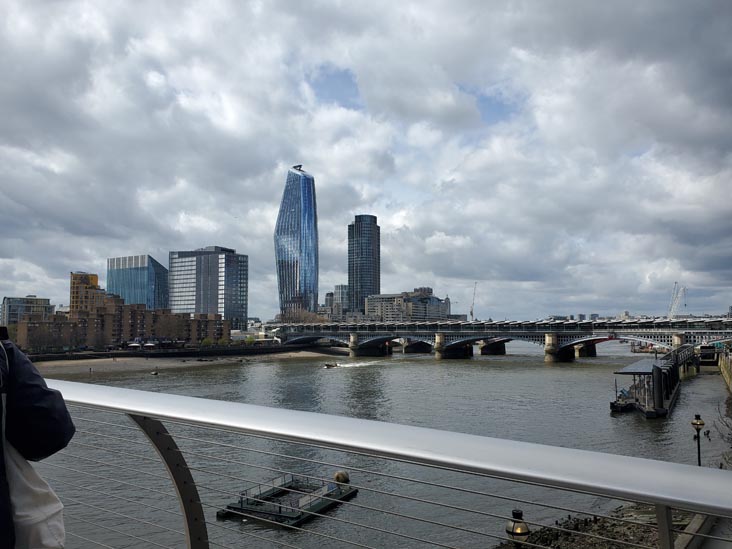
x=402, y=496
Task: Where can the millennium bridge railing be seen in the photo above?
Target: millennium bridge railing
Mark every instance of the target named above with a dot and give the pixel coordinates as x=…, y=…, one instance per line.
x=151, y=470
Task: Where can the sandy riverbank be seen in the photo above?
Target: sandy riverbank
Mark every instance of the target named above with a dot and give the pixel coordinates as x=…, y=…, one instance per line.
x=135, y=364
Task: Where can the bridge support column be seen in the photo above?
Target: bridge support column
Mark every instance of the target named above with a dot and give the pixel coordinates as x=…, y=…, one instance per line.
x=498, y=348
x=458, y=351
x=376, y=350
x=439, y=346
x=585, y=350
x=552, y=351
x=677, y=340
x=352, y=345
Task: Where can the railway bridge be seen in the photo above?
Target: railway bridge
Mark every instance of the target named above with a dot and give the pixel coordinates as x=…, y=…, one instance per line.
x=562, y=340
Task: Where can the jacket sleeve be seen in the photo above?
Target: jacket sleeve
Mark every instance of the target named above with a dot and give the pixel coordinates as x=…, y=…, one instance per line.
x=37, y=422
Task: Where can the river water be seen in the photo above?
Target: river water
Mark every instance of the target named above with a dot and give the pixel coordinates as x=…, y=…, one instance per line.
x=516, y=397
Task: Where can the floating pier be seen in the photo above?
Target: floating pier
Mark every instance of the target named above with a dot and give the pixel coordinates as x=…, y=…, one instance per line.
x=653, y=392
x=289, y=499
x=656, y=383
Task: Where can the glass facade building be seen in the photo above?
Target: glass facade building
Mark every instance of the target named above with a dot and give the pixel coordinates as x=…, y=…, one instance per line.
x=138, y=279
x=15, y=308
x=364, y=261
x=211, y=280
x=296, y=244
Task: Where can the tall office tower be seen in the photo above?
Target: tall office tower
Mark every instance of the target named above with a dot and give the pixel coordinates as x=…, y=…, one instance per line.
x=211, y=280
x=85, y=293
x=296, y=244
x=364, y=261
x=138, y=279
x=15, y=308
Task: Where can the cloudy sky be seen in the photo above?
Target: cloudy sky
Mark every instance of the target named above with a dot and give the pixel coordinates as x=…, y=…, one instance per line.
x=568, y=156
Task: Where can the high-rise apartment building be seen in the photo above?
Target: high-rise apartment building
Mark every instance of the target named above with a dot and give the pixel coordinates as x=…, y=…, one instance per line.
x=85, y=293
x=138, y=279
x=364, y=261
x=296, y=244
x=15, y=308
x=211, y=280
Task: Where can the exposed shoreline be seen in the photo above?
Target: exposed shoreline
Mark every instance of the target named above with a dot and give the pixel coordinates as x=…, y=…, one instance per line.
x=138, y=364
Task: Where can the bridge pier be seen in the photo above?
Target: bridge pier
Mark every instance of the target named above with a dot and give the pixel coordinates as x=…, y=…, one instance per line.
x=498, y=348
x=677, y=340
x=458, y=351
x=585, y=350
x=552, y=351
x=462, y=351
x=354, y=350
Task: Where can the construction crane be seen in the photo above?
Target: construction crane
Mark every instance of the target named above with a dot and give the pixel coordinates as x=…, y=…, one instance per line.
x=677, y=295
x=472, y=305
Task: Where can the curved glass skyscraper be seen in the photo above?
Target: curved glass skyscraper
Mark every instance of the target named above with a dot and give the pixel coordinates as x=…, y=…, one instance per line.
x=296, y=244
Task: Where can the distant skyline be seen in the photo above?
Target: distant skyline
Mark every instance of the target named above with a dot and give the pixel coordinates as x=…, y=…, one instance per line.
x=572, y=157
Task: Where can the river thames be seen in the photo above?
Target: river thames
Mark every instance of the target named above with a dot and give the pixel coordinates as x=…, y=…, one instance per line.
x=517, y=396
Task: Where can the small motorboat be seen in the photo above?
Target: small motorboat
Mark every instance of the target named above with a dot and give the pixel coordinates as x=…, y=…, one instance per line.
x=331, y=365
x=622, y=405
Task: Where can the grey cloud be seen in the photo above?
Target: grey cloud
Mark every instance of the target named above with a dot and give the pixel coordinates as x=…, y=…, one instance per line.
x=115, y=124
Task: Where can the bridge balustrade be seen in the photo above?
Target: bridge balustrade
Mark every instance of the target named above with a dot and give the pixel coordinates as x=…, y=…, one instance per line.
x=151, y=470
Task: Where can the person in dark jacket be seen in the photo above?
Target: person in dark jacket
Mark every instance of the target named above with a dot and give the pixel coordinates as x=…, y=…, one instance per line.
x=37, y=422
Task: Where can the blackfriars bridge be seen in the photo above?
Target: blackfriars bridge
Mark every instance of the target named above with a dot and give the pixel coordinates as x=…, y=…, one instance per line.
x=562, y=340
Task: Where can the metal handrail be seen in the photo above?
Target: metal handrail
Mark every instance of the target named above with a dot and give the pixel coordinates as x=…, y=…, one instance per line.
x=663, y=484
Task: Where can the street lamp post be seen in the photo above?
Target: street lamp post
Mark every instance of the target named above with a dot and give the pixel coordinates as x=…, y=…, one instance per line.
x=516, y=528
x=697, y=423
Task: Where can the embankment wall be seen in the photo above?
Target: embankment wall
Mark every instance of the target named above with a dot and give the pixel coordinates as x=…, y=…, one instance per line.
x=725, y=365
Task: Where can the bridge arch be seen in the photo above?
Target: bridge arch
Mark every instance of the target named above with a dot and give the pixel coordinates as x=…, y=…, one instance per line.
x=305, y=339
